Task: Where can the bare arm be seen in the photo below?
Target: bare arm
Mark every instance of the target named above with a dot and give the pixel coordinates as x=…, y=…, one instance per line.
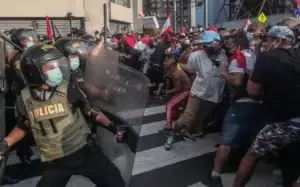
x=189, y=71
x=14, y=136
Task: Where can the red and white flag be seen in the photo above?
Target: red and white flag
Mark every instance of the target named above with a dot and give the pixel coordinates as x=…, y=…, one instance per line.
x=141, y=15
x=246, y=24
x=184, y=30
x=167, y=28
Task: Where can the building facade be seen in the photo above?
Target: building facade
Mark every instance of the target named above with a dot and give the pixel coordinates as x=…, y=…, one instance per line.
x=121, y=14
x=185, y=11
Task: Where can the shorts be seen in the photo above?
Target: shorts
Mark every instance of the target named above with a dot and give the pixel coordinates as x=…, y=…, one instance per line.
x=275, y=136
x=296, y=11
x=243, y=120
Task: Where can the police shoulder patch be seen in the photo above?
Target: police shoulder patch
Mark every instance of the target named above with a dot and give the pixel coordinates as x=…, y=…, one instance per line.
x=17, y=64
x=75, y=45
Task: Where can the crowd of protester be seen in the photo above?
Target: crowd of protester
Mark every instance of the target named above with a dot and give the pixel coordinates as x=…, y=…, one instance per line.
x=257, y=67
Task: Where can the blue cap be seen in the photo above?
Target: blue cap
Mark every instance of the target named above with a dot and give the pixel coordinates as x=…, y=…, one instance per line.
x=281, y=32
x=209, y=36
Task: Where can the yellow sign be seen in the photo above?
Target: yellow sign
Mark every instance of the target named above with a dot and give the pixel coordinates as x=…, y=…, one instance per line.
x=262, y=17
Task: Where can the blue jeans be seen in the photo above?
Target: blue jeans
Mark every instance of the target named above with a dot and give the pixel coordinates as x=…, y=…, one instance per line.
x=243, y=120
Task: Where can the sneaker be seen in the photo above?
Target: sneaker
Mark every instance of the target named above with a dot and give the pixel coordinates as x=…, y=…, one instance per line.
x=169, y=142
x=216, y=182
x=188, y=137
x=164, y=131
x=198, y=134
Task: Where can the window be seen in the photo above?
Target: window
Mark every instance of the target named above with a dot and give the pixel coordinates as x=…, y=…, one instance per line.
x=199, y=3
x=125, y=3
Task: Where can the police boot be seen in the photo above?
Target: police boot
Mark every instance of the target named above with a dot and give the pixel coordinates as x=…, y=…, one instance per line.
x=9, y=180
x=24, y=155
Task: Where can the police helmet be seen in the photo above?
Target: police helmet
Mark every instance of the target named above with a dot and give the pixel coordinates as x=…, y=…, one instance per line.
x=44, y=39
x=43, y=64
x=89, y=40
x=76, y=48
x=24, y=38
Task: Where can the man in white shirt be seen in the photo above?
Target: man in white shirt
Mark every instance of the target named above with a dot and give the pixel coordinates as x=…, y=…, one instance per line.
x=207, y=88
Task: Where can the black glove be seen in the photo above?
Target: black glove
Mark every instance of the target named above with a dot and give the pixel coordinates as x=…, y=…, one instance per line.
x=121, y=132
x=3, y=148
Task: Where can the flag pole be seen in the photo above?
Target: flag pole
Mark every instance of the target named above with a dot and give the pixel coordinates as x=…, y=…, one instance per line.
x=175, y=16
x=205, y=13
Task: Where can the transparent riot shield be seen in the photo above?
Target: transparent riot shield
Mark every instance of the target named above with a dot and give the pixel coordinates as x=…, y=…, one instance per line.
x=2, y=102
x=121, y=93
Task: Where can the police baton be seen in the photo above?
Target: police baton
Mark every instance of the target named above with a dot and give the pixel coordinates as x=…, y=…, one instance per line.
x=3, y=166
x=4, y=37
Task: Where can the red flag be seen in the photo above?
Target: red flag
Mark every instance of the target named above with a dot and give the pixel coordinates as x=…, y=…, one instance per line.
x=146, y=39
x=130, y=40
x=49, y=29
x=167, y=28
x=246, y=24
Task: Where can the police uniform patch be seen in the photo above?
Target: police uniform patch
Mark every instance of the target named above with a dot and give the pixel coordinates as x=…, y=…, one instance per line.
x=17, y=64
x=75, y=45
x=46, y=47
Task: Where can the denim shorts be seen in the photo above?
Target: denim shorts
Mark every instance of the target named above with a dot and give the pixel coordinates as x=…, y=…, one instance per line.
x=242, y=122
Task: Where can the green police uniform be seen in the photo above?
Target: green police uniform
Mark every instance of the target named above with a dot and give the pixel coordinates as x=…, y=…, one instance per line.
x=58, y=129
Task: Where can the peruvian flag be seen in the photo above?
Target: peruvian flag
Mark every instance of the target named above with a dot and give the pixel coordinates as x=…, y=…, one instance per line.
x=167, y=28
x=49, y=29
x=141, y=15
x=246, y=24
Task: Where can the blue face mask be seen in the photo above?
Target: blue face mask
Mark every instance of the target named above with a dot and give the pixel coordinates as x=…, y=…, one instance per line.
x=29, y=44
x=55, y=77
x=74, y=64
x=250, y=36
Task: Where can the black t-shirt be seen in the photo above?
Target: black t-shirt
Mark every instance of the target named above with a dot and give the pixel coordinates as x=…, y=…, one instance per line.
x=278, y=72
x=75, y=97
x=158, y=56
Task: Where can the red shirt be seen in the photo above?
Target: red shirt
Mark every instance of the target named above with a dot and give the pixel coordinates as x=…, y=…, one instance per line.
x=296, y=3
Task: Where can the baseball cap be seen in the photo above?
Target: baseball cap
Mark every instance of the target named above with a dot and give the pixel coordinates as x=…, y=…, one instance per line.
x=212, y=28
x=281, y=32
x=209, y=36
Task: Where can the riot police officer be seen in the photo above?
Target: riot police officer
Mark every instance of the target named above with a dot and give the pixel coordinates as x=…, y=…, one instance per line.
x=76, y=51
x=90, y=40
x=45, y=39
x=52, y=110
x=23, y=38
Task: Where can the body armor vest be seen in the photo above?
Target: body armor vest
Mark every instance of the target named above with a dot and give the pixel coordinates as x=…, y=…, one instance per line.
x=57, y=129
